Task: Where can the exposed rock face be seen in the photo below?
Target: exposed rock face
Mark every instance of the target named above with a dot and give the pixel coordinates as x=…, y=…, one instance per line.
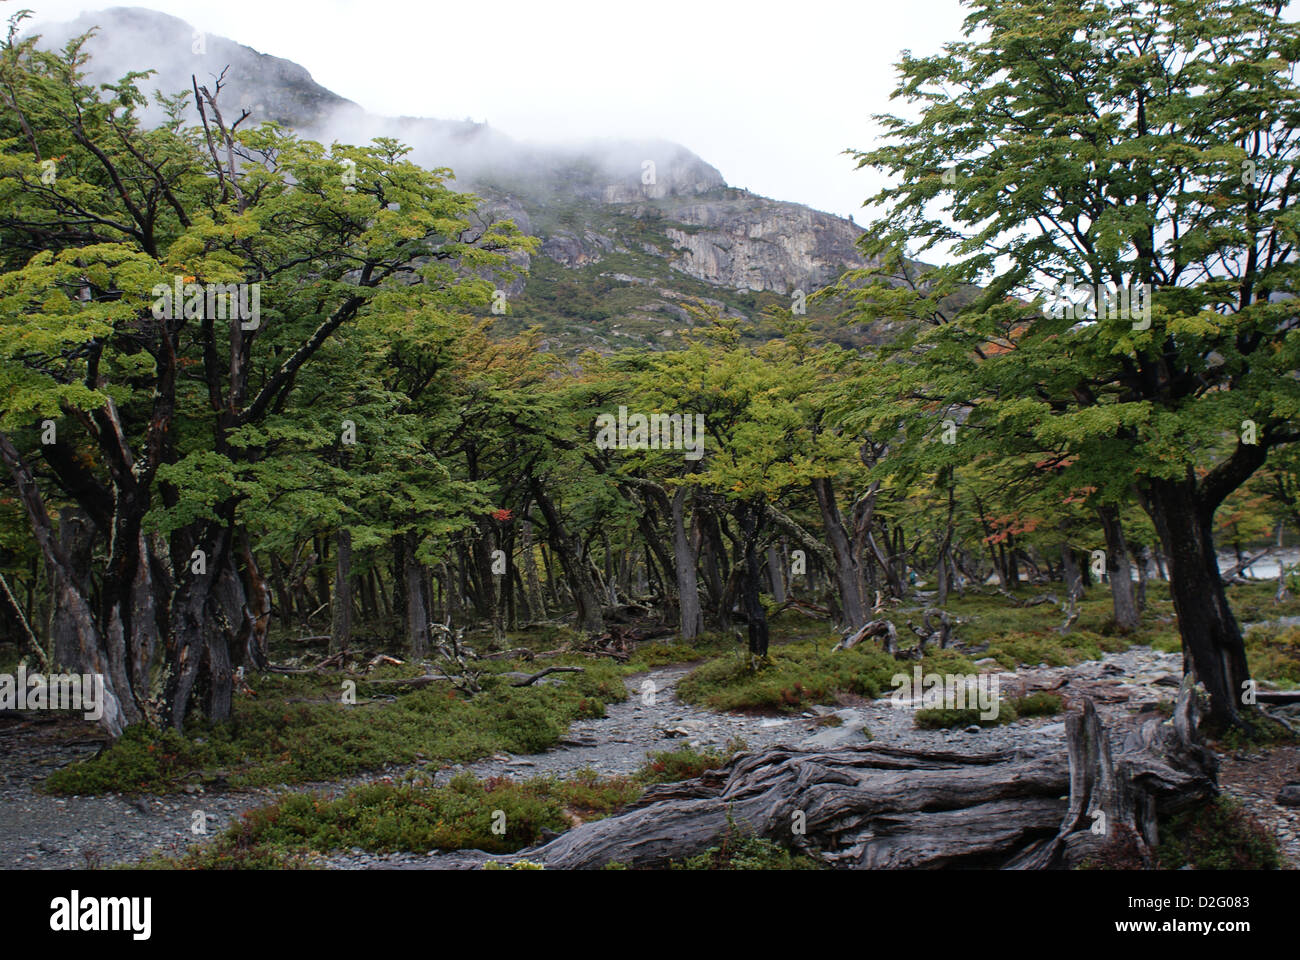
x=574, y=251
x=665, y=217
x=760, y=244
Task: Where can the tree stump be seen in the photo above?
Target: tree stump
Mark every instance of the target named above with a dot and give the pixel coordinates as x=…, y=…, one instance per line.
x=880, y=806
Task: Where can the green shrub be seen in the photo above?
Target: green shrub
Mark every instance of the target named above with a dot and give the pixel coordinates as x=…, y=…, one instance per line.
x=943, y=718
x=1041, y=704
x=1218, y=835
x=276, y=738
x=748, y=853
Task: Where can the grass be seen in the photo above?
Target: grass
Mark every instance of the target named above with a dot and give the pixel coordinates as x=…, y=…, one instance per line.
x=1219, y=835
x=497, y=815
x=1274, y=656
x=748, y=853
x=293, y=729
x=795, y=676
x=803, y=672
x=1009, y=711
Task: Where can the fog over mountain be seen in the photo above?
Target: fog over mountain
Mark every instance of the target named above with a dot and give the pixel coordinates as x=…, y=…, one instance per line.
x=637, y=248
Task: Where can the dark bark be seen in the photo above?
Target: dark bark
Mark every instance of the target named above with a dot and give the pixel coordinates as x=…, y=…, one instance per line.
x=1212, y=643
x=880, y=806
x=748, y=514
x=341, y=622
x=1118, y=570
x=690, y=619
x=848, y=577
x=575, y=562
x=417, y=610
x=536, y=606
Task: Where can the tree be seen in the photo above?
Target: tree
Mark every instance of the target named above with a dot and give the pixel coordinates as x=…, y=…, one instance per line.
x=1126, y=148
x=174, y=420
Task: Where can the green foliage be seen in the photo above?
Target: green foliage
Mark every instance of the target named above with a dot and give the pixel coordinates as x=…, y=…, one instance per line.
x=748, y=853
x=1219, y=835
x=276, y=740
x=1275, y=656
x=1041, y=704
x=943, y=718
x=685, y=763
x=796, y=676
x=467, y=813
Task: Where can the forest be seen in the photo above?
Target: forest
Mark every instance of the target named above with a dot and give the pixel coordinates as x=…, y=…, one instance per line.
x=365, y=576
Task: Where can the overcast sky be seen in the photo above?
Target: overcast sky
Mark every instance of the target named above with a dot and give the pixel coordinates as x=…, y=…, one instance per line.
x=769, y=93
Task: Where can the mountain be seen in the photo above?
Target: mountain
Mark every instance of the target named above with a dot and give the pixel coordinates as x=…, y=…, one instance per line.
x=620, y=257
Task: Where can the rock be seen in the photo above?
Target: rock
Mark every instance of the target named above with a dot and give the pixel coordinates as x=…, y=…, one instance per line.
x=851, y=731
x=1289, y=795
x=686, y=728
x=973, y=728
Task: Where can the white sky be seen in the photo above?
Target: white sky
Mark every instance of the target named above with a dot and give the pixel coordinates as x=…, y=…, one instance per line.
x=768, y=92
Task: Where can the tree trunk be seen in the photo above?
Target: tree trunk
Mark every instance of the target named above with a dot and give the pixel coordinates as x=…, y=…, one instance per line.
x=1118, y=571
x=576, y=564
x=209, y=614
x=417, y=613
x=848, y=578
x=1212, y=643
x=536, y=607
x=76, y=539
x=690, y=619
x=748, y=514
x=880, y=806
x=341, y=622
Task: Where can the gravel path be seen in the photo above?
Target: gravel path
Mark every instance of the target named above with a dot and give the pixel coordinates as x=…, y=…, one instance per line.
x=43, y=832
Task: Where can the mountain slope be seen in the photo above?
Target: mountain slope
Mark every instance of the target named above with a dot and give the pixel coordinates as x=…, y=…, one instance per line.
x=631, y=230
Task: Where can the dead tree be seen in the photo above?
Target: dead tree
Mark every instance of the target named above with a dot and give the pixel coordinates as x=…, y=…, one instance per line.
x=881, y=806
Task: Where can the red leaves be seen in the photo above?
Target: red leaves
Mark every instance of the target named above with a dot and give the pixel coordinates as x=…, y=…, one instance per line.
x=502, y=516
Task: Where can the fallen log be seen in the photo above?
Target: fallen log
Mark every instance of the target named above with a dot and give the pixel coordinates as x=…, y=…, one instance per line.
x=1280, y=697
x=518, y=653
x=416, y=682
x=882, y=628
x=528, y=681
x=881, y=806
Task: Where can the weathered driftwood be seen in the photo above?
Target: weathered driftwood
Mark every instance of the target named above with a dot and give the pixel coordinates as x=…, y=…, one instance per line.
x=1114, y=802
x=881, y=806
x=524, y=680
x=881, y=627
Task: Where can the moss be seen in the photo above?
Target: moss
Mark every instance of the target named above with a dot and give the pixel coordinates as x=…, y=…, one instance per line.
x=278, y=738
x=1040, y=704
x=1274, y=656
x=498, y=815
x=685, y=763
x=794, y=677
x=748, y=853
x=1264, y=731
x=1218, y=835
x=946, y=719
